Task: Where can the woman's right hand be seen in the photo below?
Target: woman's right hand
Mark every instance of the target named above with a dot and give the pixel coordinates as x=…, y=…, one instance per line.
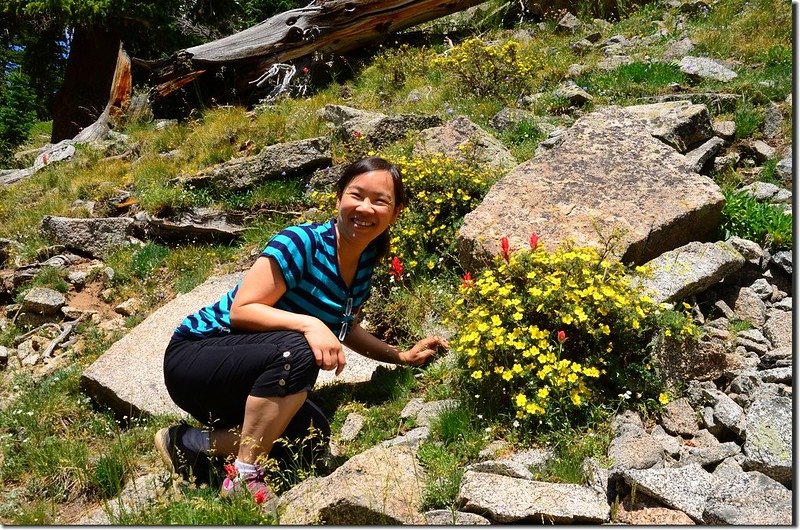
x=326, y=347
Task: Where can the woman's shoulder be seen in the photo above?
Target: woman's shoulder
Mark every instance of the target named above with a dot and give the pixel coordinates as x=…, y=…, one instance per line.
x=305, y=233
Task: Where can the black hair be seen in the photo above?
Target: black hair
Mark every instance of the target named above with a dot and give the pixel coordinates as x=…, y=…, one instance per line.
x=375, y=163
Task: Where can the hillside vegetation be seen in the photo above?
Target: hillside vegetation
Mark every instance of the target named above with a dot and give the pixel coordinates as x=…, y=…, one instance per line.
x=61, y=453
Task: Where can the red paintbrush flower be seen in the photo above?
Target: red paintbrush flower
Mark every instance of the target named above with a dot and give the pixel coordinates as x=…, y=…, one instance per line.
x=467, y=281
x=561, y=336
x=534, y=241
x=504, y=247
x=396, y=269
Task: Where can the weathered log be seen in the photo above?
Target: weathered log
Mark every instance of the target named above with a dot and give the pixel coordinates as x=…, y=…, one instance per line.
x=324, y=26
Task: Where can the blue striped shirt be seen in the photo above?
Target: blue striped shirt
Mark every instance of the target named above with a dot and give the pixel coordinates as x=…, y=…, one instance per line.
x=306, y=256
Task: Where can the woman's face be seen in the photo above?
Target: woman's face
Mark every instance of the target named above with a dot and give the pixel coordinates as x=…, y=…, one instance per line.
x=367, y=207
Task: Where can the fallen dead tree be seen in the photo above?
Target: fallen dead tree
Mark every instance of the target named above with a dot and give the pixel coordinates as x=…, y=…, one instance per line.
x=325, y=27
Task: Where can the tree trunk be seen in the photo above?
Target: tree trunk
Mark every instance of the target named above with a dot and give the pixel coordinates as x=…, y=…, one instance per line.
x=87, y=81
x=325, y=26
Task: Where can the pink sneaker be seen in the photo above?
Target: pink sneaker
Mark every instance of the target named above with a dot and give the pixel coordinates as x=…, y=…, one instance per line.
x=235, y=483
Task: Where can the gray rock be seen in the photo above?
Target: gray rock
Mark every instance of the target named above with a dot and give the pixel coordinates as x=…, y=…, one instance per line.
x=463, y=140
x=699, y=157
x=706, y=68
x=591, y=179
x=379, y=129
x=612, y=62
x=453, y=518
x=679, y=124
x=431, y=410
x=411, y=409
x=575, y=70
x=129, y=307
x=782, y=197
x=199, y=225
x=43, y=301
x=777, y=375
x=535, y=457
x=683, y=488
x=96, y=237
x=508, y=500
x=412, y=438
x=634, y=449
x=725, y=129
x=135, y=496
x=572, y=92
x=669, y=444
x=729, y=161
x=783, y=170
x=778, y=328
x=30, y=360
x=728, y=467
x=4, y=355
x=726, y=411
x=689, y=270
x=595, y=476
x=749, y=306
x=760, y=150
x=508, y=117
x=709, y=456
x=768, y=437
x=725, y=310
x=77, y=278
x=762, y=288
x=679, y=417
x=677, y=49
x=773, y=120
x=748, y=499
x=351, y=427
x=273, y=162
x=762, y=191
x=783, y=259
x=783, y=353
x=380, y=486
x=507, y=468
x=568, y=23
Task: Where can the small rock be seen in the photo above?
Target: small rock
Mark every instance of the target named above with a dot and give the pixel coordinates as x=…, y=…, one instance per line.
x=77, y=278
x=762, y=288
x=128, y=307
x=679, y=418
x=762, y=191
x=773, y=120
x=351, y=427
x=4, y=354
x=706, y=68
x=569, y=23
x=412, y=438
x=494, y=449
x=453, y=518
x=784, y=170
x=43, y=301
x=725, y=129
x=508, y=468
x=783, y=259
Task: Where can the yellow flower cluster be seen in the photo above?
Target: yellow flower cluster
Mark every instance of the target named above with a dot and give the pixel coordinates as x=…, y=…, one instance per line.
x=550, y=329
x=488, y=69
x=440, y=191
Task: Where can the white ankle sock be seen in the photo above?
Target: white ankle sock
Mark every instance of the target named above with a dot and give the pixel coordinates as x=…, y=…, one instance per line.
x=197, y=440
x=244, y=468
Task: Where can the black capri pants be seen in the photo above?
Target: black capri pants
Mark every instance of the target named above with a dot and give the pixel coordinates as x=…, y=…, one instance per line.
x=211, y=378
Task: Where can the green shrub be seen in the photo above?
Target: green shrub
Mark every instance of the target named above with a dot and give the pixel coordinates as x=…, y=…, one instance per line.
x=17, y=111
x=489, y=70
x=748, y=119
x=746, y=217
x=542, y=335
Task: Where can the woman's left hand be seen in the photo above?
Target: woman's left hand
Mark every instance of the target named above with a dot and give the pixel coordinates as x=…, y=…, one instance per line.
x=423, y=350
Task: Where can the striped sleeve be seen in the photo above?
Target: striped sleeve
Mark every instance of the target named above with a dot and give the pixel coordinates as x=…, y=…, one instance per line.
x=291, y=248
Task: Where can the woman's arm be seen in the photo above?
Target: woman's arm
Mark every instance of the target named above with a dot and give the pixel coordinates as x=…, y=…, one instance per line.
x=253, y=310
x=371, y=346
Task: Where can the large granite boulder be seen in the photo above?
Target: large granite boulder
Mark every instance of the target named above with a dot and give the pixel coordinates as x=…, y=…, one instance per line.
x=682, y=488
x=608, y=174
x=506, y=500
x=129, y=378
x=273, y=162
x=375, y=127
x=463, y=140
x=749, y=499
x=679, y=124
x=380, y=486
x=96, y=237
x=689, y=270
